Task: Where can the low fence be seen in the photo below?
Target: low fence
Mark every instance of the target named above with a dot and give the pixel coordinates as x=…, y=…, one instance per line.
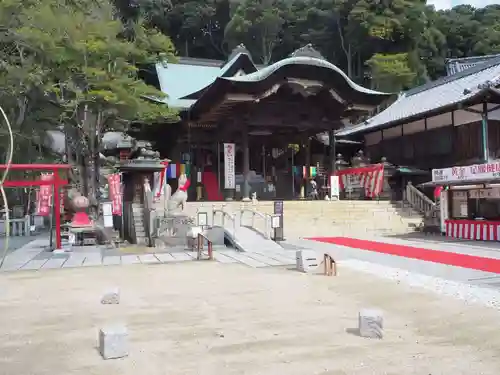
x=18, y=227
x=22, y=226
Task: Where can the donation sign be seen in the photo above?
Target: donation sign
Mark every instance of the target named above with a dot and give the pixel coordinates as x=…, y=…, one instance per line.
x=475, y=172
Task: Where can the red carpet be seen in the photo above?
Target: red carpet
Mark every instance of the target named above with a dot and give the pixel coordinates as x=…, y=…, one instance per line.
x=209, y=180
x=435, y=256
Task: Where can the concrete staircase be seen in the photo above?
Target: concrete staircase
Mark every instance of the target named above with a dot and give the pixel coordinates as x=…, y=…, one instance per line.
x=337, y=218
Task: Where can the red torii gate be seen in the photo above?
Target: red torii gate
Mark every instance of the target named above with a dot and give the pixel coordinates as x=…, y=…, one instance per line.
x=56, y=182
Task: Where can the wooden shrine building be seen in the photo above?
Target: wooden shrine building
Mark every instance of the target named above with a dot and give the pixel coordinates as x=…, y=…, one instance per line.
x=452, y=121
x=271, y=113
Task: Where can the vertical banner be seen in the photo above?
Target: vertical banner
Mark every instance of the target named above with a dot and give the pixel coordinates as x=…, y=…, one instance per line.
x=443, y=208
x=62, y=194
x=115, y=193
x=229, y=156
x=44, y=196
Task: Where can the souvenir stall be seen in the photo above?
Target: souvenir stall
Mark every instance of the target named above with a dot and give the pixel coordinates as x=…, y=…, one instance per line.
x=470, y=201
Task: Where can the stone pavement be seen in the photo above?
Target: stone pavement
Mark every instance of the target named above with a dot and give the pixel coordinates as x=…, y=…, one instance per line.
x=35, y=256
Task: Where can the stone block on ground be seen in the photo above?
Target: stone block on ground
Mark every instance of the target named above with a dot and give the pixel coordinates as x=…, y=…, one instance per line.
x=111, y=297
x=371, y=323
x=306, y=260
x=113, y=342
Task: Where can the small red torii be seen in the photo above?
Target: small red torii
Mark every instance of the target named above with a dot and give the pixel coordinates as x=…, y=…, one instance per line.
x=56, y=182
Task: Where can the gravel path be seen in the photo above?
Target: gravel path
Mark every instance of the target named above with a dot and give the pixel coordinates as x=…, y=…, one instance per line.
x=209, y=318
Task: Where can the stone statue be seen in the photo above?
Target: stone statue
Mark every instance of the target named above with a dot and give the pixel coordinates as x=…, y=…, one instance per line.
x=179, y=198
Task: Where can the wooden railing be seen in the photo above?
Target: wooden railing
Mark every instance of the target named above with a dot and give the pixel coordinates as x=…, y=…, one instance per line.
x=200, y=247
x=418, y=200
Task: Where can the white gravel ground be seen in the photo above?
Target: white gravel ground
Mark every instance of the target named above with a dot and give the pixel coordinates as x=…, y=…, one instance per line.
x=470, y=294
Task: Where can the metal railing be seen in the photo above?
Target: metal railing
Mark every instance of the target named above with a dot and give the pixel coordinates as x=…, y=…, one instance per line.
x=418, y=200
x=225, y=216
x=265, y=219
x=202, y=239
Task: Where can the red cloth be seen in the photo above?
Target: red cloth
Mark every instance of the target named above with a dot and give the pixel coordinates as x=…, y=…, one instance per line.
x=186, y=186
x=437, y=191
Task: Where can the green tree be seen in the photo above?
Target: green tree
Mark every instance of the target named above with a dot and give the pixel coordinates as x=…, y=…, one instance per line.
x=259, y=25
x=460, y=28
x=391, y=73
x=89, y=75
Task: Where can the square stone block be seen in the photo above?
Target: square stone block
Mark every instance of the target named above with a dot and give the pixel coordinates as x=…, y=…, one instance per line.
x=111, y=297
x=306, y=260
x=371, y=323
x=113, y=342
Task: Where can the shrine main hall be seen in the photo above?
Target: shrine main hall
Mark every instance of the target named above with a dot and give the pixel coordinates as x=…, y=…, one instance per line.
x=281, y=119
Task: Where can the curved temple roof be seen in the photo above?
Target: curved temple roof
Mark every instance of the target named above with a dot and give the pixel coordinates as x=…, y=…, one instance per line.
x=302, y=60
x=306, y=71
x=240, y=76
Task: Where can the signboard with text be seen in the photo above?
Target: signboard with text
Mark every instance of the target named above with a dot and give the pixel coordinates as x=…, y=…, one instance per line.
x=475, y=172
x=229, y=157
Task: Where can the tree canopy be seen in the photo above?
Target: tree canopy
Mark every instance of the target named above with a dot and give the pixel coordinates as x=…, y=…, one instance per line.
x=356, y=35
x=69, y=66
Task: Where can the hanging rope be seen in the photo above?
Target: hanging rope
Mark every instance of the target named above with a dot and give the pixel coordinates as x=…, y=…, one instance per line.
x=2, y=190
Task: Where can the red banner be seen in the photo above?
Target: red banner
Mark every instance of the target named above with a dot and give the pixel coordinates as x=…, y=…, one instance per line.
x=369, y=178
x=115, y=193
x=44, y=196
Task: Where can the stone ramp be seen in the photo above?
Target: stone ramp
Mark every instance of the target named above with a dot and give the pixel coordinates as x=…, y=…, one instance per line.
x=249, y=240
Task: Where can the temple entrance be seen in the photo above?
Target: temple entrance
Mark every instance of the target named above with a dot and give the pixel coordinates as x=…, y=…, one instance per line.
x=271, y=117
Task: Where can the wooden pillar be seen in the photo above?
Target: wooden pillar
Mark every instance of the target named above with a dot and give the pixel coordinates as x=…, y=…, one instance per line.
x=200, y=165
x=484, y=133
x=307, y=154
x=246, y=165
x=331, y=138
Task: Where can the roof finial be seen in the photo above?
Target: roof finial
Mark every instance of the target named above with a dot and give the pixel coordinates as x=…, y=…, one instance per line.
x=308, y=51
x=240, y=48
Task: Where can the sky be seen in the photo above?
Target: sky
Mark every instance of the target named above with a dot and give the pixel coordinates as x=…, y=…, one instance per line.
x=446, y=4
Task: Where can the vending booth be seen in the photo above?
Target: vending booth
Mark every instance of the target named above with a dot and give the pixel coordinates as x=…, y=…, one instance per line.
x=470, y=201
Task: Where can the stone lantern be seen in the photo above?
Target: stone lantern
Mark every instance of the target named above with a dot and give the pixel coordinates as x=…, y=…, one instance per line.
x=138, y=171
x=389, y=171
x=340, y=163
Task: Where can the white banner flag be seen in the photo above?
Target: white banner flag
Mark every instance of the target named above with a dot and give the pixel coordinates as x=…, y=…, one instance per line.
x=229, y=156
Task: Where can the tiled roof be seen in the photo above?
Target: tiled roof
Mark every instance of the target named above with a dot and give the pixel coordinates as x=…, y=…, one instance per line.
x=418, y=102
x=454, y=66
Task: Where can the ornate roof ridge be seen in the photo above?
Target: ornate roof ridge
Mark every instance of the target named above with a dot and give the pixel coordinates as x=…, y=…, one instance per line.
x=307, y=51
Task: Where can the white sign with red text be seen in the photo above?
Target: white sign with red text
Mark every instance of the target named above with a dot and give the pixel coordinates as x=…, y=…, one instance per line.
x=229, y=156
x=476, y=172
